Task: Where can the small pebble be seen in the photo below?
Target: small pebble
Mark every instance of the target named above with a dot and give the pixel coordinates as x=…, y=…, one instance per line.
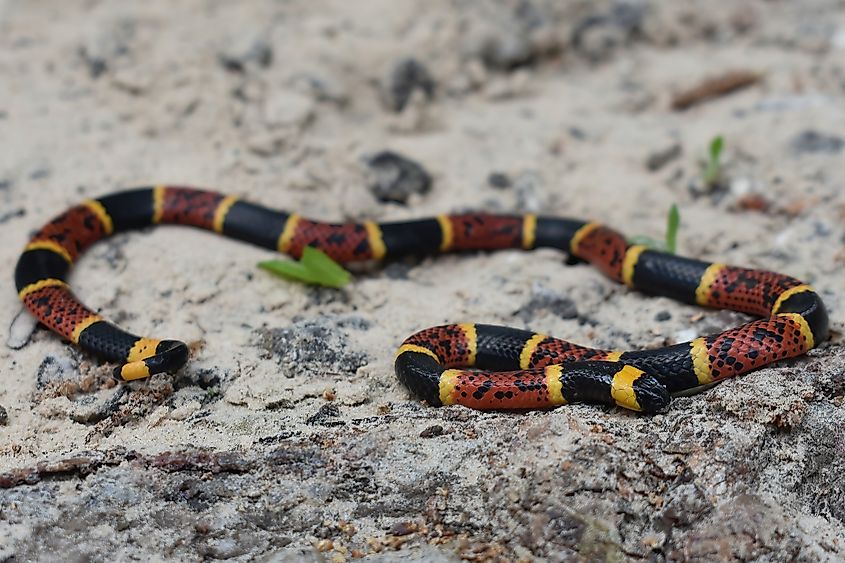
x=661, y=158
x=432, y=431
x=407, y=77
x=662, y=316
x=245, y=51
x=4, y=416
x=499, y=180
x=395, y=177
x=324, y=415
x=577, y=133
x=810, y=142
x=403, y=528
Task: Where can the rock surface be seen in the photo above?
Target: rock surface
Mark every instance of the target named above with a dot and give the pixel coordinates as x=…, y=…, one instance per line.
x=287, y=437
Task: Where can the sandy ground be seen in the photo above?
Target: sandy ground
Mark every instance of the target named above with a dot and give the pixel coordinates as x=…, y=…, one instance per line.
x=288, y=437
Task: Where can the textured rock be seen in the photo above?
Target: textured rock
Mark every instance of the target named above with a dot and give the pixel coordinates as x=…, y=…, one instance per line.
x=315, y=346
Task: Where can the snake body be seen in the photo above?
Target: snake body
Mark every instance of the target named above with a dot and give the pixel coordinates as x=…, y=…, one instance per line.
x=479, y=366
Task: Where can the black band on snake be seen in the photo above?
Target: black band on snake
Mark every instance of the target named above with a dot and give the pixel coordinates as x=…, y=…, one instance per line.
x=480, y=366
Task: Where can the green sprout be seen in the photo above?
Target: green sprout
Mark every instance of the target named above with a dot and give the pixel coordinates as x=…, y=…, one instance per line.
x=713, y=169
x=315, y=267
x=673, y=222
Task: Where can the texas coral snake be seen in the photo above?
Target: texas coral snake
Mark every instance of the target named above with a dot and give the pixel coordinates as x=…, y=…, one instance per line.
x=480, y=366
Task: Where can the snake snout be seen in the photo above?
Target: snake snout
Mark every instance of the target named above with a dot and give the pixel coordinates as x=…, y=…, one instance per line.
x=652, y=395
x=170, y=356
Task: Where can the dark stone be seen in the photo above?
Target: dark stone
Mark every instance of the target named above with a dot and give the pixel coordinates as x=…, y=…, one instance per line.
x=662, y=316
x=96, y=66
x=279, y=404
x=403, y=528
x=4, y=416
x=810, y=142
x=236, y=59
x=432, y=431
x=406, y=77
x=661, y=158
x=499, y=180
x=578, y=134
x=324, y=415
x=395, y=177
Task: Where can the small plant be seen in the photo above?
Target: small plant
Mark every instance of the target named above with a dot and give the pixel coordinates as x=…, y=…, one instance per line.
x=670, y=244
x=713, y=169
x=315, y=267
x=673, y=221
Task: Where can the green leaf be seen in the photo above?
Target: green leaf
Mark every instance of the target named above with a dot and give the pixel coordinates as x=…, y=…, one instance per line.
x=716, y=148
x=673, y=221
x=332, y=273
x=315, y=267
x=289, y=269
x=714, y=166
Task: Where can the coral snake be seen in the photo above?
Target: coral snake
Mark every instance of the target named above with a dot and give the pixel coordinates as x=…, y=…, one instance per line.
x=480, y=366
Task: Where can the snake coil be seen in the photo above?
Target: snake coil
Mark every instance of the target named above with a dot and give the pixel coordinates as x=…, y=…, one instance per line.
x=480, y=366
